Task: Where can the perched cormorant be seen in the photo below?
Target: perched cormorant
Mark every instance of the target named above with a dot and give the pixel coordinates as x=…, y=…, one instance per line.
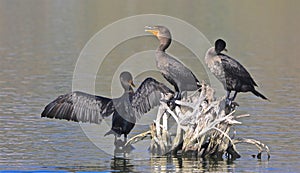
x=79, y=106
x=173, y=71
x=229, y=72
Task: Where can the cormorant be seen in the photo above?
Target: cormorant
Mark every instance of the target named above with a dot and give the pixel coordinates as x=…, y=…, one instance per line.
x=79, y=106
x=172, y=70
x=229, y=72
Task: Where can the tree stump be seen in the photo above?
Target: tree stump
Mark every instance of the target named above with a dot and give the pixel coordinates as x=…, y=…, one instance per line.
x=203, y=128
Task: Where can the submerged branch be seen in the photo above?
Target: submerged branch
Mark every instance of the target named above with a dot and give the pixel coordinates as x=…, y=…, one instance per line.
x=261, y=147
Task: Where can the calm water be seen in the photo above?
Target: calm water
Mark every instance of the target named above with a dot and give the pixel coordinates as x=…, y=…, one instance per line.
x=40, y=42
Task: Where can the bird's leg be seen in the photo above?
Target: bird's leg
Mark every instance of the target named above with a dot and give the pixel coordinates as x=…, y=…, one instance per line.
x=228, y=99
x=227, y=96
x=234, y=95
x=125, y=138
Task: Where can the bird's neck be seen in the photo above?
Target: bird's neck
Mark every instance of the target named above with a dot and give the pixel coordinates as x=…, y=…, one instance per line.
x=164, y=44
x=128, y=90
x=162, y=48
x=128, y=94
x=211, y=52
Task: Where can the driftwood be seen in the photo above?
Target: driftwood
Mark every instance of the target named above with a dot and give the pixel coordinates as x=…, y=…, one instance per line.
x=203, y=128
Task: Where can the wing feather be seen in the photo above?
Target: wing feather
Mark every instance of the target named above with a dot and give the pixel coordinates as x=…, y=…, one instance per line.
x=148, y=96
x=79, y=106
x=181, y=75
x=233, y=68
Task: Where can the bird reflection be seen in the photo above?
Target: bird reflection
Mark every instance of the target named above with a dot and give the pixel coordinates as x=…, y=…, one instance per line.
x=121, y=164
x=121, y=149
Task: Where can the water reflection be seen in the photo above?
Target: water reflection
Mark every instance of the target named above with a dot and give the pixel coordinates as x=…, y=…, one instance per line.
x=122, y=164
x=121, y=149
x=182, y=164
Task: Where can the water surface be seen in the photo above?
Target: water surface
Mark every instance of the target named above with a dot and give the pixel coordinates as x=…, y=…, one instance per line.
x=40, y=42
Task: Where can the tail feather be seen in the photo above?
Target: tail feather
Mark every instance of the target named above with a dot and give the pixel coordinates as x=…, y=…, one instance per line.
x=258, y=94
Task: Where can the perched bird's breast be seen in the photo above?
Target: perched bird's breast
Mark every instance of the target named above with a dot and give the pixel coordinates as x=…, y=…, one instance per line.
x=162, y=61
x=214, y=64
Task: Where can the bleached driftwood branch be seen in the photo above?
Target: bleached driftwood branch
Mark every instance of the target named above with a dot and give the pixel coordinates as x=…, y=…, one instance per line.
x=203, y=128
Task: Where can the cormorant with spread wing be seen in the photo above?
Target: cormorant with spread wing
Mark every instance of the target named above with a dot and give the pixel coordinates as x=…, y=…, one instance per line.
x=173, y=71
x=229, y=71
x=79, y=106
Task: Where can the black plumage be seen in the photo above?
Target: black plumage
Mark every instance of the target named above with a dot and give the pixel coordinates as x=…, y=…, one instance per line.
x=230, y=72
x=79, y=106
x=181, y=77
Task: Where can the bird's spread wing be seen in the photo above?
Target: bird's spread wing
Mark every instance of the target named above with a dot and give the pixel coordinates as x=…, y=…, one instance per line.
x=79, y=106
x=234, y=68
x=148, y=95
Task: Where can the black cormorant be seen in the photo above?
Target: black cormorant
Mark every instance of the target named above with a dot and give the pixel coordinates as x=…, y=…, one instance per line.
x=79, y=106
x=173, y=71
x=229, y=72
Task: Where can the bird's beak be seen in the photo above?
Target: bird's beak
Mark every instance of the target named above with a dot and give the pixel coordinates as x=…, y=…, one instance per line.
x=131, y=83
x=151, y=30
x=226, y=50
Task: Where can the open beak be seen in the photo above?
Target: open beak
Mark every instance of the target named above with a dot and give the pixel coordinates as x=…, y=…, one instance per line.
x=131, y=83
x=152, y=30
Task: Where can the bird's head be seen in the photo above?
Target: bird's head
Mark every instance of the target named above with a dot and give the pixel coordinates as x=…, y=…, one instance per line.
x=220, y=45
x=158, y=31
x=126, y=80
x=162, y=33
